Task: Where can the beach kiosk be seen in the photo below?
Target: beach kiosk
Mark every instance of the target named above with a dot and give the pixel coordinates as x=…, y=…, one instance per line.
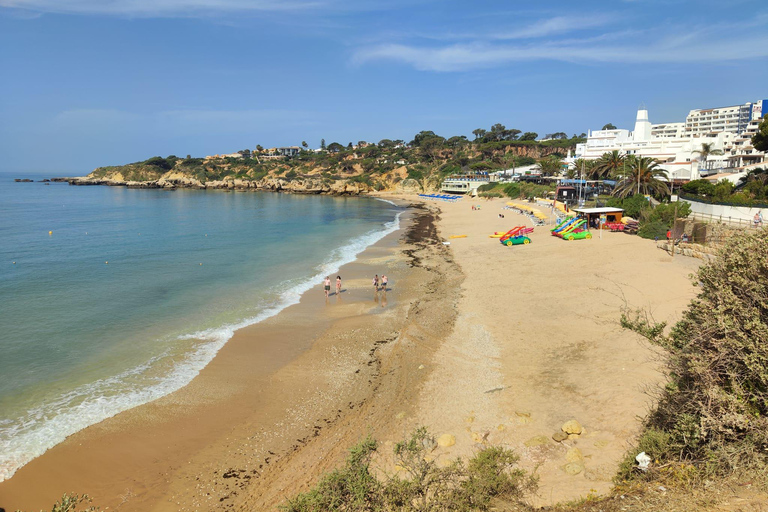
x=596, y=217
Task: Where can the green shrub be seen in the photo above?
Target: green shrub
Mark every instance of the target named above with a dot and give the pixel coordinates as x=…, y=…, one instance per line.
x=524, y=161
x=424, y=485
x=352, y=487
x=653, y=229
x=633, y=206
x=699, y=188
x=714, y=411
x=488, y=187
x=162, y=163
x=512, y=190
x=668, y=212
x=483, y=166
x=71, y=502
x=416, y=172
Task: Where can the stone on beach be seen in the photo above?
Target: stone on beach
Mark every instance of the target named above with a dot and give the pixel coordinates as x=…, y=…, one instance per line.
x=446, y=440
x=537, y=441
x=573, y=468
x=574, y=455
x=559, y=436
x=572, y=427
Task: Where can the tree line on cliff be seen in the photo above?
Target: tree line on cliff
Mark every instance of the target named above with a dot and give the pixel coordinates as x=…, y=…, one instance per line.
x=425, y=160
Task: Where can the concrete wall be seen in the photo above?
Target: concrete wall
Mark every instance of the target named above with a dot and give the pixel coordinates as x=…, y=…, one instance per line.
x=729, y=214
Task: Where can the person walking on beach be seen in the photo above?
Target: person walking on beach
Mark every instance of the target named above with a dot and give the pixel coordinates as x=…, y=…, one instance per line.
x=384, y=282
x=376, y=282
x=338, y=285
x=327, y=285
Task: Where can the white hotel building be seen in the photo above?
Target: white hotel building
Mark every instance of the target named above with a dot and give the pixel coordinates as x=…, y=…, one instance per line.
x=674, y=145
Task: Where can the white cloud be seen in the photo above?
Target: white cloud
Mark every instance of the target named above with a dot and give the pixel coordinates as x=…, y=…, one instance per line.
x=556, y=25
x=152, y=8
x=484, y=54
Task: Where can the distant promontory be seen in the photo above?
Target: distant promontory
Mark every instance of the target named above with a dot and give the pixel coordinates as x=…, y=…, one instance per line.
x=355, y=169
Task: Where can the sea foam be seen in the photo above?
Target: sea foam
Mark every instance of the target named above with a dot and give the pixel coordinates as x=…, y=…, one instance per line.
x=49, y=424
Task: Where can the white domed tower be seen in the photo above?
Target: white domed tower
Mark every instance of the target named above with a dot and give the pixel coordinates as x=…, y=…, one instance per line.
x=642, y=130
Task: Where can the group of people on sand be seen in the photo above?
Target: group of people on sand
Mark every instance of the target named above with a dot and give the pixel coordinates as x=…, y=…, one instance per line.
x=382, y=283
x=378, y=284
x=327, y=285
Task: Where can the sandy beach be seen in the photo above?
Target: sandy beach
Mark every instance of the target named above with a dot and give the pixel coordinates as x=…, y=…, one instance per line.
x=490, y=344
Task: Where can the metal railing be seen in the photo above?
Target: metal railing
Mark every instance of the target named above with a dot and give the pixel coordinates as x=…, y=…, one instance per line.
x=723, y=219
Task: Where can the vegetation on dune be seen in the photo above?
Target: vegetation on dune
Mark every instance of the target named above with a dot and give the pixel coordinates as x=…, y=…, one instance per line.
x=422, y=485
x=73, y=503
x=712, y=417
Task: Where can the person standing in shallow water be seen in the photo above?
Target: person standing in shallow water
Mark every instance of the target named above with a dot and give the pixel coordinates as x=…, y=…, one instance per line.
x=376, y=282
x=384, y=281
x=338, y=285
x=327, y=285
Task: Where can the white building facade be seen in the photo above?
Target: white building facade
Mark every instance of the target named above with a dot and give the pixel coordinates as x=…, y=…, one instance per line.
x=677, y=146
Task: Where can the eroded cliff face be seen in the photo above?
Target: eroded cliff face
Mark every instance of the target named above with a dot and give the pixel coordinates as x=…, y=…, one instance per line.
x=344, y=177
x=174, y=180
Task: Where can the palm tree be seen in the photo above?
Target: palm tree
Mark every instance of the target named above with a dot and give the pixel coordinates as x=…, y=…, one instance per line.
x=584, y=169
x=706, y=150
x=549, y=166
x=609, y=165
x=643, y=177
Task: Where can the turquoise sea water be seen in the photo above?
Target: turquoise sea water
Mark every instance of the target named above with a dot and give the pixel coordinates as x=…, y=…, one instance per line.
x=134, y=291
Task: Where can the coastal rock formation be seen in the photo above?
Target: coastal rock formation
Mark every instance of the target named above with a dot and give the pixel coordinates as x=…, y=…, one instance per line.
x=174, y=180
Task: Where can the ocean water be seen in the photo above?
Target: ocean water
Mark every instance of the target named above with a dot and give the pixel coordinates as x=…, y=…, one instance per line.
x=134, y=291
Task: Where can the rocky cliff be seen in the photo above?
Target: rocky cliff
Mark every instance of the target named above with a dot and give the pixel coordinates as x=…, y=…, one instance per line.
x=174, y=180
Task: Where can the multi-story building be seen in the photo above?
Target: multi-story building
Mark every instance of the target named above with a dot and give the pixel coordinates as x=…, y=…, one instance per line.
x=732, y=119
x=668, y=131
x=678, y=149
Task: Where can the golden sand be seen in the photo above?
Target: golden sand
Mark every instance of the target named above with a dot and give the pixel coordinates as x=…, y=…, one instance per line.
x=483, y=344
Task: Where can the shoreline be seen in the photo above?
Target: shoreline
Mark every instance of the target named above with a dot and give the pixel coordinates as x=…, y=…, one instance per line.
x=26, y=444
x=485, y=343
x=132, y=443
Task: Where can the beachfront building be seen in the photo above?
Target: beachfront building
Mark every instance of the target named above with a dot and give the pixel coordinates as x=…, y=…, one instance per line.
x=733, y=119
x=466, y=183
x=678, y=146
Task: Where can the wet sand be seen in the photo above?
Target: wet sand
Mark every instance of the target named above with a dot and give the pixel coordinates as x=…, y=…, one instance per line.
x=492, y=344
x=273, y=386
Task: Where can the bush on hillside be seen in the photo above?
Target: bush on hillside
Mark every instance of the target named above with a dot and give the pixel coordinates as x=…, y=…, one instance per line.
x=487, y=187
x=526, y=190
x=714, y=411
x=524, y=161
x=422, y=486
x=162, y=163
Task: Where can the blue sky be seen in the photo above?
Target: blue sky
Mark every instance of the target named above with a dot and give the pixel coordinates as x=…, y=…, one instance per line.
x=99, y=82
